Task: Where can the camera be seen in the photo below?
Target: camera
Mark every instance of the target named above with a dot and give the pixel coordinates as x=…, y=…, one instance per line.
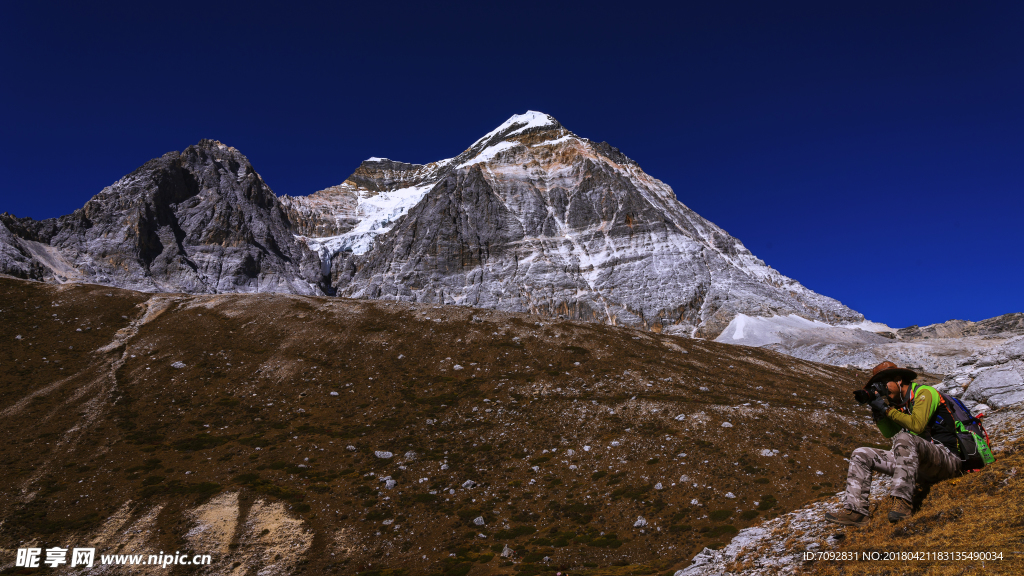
x=871, y=392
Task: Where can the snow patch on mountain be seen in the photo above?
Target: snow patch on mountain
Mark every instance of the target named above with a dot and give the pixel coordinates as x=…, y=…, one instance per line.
x=761, y=331
x=751, y=331
x=869, y=326
x=488, y=154
x=380, y=211
x=556, y=141
x=531, y=119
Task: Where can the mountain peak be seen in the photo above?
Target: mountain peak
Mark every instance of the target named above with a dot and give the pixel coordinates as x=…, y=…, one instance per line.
x=531, y=119
x=208, y=144
x=518, y=124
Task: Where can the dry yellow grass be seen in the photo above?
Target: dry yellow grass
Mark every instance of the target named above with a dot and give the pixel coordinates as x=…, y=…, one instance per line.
x=980, y=512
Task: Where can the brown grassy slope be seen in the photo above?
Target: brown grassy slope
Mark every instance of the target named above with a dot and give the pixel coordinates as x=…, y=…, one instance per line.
x=979, y=512
x=95, y=419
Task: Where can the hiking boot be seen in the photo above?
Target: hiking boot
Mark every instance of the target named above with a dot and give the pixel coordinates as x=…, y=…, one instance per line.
x=900, y=509
x=847, y=518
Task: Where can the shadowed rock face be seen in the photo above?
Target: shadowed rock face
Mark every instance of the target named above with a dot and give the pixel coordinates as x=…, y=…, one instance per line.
x=329, y=212
x=533, y=218
x=16, y=260
x=200, y=221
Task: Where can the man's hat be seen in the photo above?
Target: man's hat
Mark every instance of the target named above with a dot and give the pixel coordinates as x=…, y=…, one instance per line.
x=889, y=372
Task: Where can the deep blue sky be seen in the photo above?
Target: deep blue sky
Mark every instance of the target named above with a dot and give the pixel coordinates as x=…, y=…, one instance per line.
x=874, y=151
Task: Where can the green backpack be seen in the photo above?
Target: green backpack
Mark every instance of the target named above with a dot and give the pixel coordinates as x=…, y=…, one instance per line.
x=970, y=434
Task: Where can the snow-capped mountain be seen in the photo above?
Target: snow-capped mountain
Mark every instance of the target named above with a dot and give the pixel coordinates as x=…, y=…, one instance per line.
x=533, y=218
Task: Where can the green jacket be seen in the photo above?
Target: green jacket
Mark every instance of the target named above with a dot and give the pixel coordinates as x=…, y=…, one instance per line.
x=924, y=415
x=922, y=407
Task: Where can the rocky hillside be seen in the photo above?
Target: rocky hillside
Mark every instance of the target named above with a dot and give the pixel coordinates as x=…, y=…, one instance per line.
x=199, y=221
x=312, y=435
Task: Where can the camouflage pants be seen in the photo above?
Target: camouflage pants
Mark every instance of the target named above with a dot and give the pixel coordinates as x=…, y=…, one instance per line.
x=912, y=458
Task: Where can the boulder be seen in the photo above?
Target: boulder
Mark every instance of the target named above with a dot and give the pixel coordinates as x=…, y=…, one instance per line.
x=998, y=386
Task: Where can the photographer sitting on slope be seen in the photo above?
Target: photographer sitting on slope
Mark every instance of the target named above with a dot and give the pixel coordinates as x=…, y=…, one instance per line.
x=924, y=445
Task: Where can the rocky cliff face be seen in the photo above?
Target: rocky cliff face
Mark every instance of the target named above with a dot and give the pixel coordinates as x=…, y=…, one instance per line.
x=347, y=217
x=329, y=212
x=199, y=221
x=534, y=218
x=15, y=260
x=994, y=376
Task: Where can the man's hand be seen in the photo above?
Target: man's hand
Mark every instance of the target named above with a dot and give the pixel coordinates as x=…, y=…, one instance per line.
x=878, y=408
